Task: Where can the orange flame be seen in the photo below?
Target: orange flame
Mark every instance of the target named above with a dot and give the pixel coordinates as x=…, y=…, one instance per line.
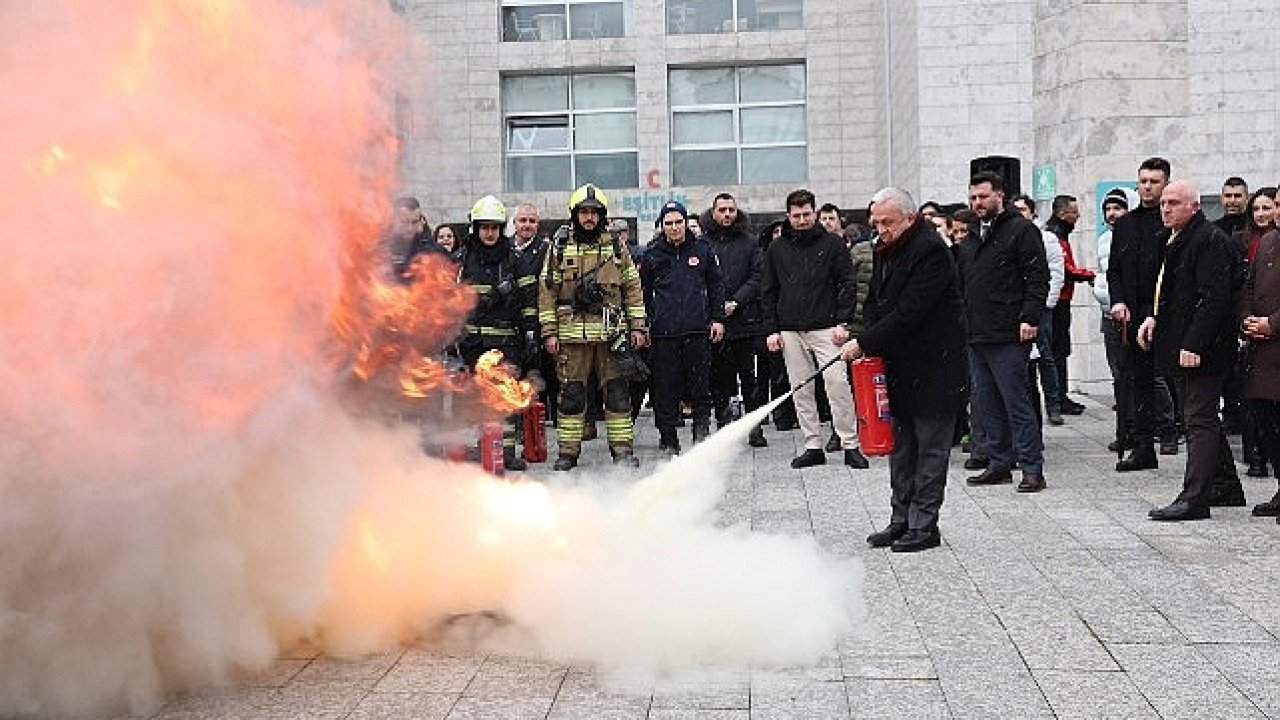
x=398, y=329
x=499, y=387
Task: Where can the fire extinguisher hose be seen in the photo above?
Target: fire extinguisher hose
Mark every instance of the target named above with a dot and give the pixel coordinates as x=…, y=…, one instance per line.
x=814, y=376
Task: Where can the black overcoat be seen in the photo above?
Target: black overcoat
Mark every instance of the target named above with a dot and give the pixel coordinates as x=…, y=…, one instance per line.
x=914, y=319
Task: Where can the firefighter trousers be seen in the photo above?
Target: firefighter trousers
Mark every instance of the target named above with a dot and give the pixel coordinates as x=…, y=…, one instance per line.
x=575, y=365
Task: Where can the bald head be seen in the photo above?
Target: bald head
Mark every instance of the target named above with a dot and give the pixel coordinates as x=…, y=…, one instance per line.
x=1179, y=202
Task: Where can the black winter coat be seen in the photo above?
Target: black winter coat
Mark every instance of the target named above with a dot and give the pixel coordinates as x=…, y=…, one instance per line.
x=1004, y=278
x=1198, y=297
x=683, y=288
x=742, y=266
x=1137, y=249
x=808, y=281
x=915, y=320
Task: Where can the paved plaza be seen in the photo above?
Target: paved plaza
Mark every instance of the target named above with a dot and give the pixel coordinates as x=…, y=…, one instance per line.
x=1064, y=604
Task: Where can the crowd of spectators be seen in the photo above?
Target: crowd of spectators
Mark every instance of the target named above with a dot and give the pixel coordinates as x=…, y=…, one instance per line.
x=734, y=313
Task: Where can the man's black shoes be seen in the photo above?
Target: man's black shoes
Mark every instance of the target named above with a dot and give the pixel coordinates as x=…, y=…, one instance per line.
x=1071, y=407
x=1031, y=483
x=974, y=463
x=565, y=462
x=1179, y=511
x=854, y=458
x=917, y=540
x=756, y=439
x=626, y=458
x=1138, y=460
x=991, y=477
x=1270, y=508
x=887, y=536
x=833, y=442
x=786, y=424
x=810, y=457
x=1227, y=493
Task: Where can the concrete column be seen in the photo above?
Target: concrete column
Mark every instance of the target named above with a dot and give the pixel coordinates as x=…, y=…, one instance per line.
x=1110, y=88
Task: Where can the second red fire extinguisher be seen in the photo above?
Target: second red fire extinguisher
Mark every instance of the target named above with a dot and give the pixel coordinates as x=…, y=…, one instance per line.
x=491, y=447
x=535, y=435
x=871, y=403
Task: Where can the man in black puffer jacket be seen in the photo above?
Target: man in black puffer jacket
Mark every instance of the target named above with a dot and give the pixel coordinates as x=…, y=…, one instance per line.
x=684, y=299
x=808, y=297
x=733, y=362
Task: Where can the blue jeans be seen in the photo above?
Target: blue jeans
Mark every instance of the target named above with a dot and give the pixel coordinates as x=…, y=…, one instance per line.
x=1003, y=395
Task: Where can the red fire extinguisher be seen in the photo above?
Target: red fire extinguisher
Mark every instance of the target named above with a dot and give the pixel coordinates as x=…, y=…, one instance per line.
x=491, y=447
x=871, y=404
x=535, y=436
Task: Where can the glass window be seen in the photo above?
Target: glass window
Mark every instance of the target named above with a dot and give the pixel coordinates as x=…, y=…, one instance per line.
x=594, y=92
x=773, y=124
x=605, y=131
x=703, y=86
x=774, y=165
x=726, y=16
x=538, y=173
x=563, y=130
x=546, y=20
x=700, y=128
x=742, y=125
x=535, y=93
x=772, y=83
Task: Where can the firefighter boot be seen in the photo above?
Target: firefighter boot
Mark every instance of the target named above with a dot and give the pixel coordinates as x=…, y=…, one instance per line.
x=512, y=461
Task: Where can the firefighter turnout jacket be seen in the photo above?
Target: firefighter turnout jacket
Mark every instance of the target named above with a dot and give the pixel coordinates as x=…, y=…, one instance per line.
x=589, y=291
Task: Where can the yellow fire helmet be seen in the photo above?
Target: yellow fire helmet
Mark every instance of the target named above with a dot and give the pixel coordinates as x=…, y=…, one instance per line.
x=489, y=209
x=588, y=196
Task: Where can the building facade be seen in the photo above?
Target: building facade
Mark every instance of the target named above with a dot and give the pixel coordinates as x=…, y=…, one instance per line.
x=658, y=99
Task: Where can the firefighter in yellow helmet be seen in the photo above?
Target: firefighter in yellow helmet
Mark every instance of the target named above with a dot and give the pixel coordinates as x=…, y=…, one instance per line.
x=506, y=313
x=591, y=310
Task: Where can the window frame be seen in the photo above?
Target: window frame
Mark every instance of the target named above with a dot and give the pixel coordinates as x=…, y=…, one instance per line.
x=570, y=114
x=735, y=15
x=565, y=9
x=738, y=146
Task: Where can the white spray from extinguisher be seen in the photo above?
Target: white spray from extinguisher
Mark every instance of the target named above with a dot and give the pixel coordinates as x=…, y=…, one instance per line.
x=651, y=499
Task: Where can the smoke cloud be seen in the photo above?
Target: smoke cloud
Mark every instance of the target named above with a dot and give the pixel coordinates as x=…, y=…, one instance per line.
x=186, y=187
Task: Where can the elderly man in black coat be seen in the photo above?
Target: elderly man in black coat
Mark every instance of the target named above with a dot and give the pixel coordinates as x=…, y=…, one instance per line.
x=1192, y=336
x=914, y=320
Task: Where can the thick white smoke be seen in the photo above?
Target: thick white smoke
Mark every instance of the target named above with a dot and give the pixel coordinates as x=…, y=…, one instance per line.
x=183, y=493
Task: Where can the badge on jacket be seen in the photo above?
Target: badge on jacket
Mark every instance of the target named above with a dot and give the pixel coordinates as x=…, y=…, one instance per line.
x=693, y=261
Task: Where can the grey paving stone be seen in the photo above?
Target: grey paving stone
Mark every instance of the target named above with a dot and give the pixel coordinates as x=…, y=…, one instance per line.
x=365, y=670
x=808, y=701
x=871, y=699
x=404, y=706
x=1253, y=669
x=500, y=708
x=425, y=671
x=891, y=667
x=1093, y=695
x=1180, y=683
x=599, y=706
x=681, y=713
x=516, y=677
